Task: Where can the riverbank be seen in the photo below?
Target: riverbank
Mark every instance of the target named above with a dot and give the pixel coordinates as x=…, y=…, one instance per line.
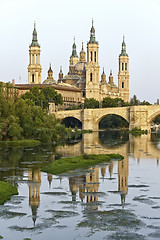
x=6, y=191
x=20, y=143
x=68, y=164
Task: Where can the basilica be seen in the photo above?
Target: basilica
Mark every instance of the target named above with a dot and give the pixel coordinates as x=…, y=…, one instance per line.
x=83, y=77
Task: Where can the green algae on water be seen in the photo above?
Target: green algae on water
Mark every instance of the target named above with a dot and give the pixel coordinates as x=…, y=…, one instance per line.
x=68, y=164
x=20, y=143
x=6, y=191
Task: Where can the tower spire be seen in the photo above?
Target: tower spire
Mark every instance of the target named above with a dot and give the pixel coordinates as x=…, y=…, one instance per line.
x=74, y=52
x=123, y=51
x=92, y=34
x=82, y=54
x=34, y=37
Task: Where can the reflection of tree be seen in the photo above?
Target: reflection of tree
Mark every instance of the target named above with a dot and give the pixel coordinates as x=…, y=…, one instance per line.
x=14, y=160
x=155, y=138
x=72, y=122
x=113, y=138
x=113, y=121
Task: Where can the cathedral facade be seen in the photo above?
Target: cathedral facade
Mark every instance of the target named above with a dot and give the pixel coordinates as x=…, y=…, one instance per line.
x=83, y=73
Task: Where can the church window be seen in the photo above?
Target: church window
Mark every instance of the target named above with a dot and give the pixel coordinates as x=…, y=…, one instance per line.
x=33, y=58
x=32, y=77
x=122, y=182
x=36, y=58
x=91, y=77
x=95, y=57
x=122, y=84
x=122, y=66
x=91, y=56
x=126, y=66
x=91, y=177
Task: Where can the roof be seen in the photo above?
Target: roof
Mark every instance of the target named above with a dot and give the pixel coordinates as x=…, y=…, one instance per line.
x=72, y=76
x=55, y=86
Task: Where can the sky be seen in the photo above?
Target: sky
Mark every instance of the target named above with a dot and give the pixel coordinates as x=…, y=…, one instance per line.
x=58, y=21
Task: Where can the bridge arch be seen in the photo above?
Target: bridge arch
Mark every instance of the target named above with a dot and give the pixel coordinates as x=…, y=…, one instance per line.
x=113, y=121
x=71, y=121
x=111, y=114
x=153, y=116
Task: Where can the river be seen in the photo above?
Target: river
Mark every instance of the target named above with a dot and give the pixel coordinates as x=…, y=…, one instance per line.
x=119, y=200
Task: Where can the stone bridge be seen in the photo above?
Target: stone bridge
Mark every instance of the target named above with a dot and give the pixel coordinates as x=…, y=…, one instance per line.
x=140, y=147
x=136, y=116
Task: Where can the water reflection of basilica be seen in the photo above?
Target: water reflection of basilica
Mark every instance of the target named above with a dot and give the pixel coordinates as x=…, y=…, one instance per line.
x=34, y=183
x=86, y=186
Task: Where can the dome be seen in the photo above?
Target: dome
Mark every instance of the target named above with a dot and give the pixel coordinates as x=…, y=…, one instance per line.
x=49, y=81
x=79, y=66
x=72, y=76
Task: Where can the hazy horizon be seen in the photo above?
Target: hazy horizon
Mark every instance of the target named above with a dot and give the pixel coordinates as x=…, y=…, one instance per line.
x=57, y=22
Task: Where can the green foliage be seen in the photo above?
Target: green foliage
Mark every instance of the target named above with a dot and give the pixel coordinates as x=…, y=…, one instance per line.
x=43, y=97
x=10, y=129
x=113, y=121
x=157, y=120
x=23, y=119
x=67, y=164
x=137, y=131
x=6, y=191
x=91, y=103
x=134, y=101
x=49, y=94
x=74, y=107
x=113, y=102
x=20, y=143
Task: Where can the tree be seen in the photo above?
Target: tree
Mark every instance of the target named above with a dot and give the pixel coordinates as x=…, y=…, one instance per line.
x=145, y=103
x=43, y=97
x=113, y=102
x=49, y=94
x=134, y=101
x=91, y=103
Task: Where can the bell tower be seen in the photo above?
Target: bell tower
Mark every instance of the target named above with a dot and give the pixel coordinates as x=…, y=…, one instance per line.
x=34, y=67
x=123, y=74
x=92, y=67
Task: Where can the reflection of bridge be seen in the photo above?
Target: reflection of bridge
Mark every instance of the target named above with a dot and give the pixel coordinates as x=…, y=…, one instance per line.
x=137, y=116
x=138, y=147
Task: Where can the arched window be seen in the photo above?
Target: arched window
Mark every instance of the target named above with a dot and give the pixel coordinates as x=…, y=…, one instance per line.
x=32, y=77
x=122, y=84
x=95, y=57
x=126, y=66
x=91, y=77
x=36, y=58
x=32, y=58
x=122, y=66
x=91, y=56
